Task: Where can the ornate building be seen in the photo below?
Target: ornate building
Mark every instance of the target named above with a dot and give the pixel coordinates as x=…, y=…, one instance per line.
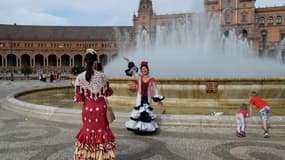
x=59, y=48
x=55, y=48
x=264, y=26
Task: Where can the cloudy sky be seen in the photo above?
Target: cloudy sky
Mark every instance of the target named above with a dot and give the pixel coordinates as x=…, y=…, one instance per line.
x=93, y=12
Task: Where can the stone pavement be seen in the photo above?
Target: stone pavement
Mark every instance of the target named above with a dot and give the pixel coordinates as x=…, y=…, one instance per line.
x=25, y=138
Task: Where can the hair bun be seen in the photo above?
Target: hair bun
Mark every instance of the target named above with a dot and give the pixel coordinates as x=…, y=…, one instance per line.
x=90, y=50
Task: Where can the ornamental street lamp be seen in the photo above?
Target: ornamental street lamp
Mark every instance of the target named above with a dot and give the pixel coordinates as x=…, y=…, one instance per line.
x=264, y=35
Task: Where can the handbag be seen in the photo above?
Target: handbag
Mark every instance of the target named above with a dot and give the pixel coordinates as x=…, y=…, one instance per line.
x=110, y=114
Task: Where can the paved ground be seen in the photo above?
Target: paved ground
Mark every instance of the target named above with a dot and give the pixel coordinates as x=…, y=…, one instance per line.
x=24, y=138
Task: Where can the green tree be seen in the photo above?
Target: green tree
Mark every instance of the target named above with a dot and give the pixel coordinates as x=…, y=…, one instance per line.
x=26, y=70
x=77, y=70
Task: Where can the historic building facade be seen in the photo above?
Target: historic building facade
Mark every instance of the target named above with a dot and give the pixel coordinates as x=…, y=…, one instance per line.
x=55, y=48
x=265, y=27
x=59, y=48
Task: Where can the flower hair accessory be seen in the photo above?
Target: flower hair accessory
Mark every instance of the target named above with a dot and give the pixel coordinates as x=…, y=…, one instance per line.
x=90, y=50
x=144, y=63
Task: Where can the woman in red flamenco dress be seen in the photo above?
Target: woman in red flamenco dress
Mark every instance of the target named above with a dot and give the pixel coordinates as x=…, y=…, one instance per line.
x=95, y=140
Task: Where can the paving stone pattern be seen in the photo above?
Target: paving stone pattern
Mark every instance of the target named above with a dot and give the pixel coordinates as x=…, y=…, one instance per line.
x=24, y=138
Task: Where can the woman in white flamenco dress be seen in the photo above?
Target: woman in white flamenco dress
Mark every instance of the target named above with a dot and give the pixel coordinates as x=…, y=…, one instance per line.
x=142, y=119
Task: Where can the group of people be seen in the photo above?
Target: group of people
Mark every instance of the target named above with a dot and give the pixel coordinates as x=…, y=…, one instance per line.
x=53, y=77
x=246, y=110
x=96, y=141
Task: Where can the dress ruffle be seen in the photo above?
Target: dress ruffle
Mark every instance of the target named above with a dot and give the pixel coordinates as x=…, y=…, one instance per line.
x=142, y=120
x=104, y=151
x=95, y=138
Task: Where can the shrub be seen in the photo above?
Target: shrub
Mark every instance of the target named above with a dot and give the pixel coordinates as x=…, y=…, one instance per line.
x=77, y=70
x=26, y=70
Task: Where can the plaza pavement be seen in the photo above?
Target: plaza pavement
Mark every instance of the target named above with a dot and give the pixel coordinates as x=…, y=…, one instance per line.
x=25, y=138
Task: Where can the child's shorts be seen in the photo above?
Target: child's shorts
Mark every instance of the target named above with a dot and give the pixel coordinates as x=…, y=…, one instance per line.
x=264, y=113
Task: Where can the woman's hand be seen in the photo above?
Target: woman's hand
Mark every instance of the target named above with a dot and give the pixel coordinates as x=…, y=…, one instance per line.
x=74, y=99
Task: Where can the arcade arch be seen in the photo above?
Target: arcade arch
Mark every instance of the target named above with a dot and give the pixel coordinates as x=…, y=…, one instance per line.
x=78, y=60
x=11, y=60
x=25, y=60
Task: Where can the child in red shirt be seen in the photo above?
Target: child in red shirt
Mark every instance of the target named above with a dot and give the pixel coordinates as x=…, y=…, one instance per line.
x=240, y=119
x=263, y=108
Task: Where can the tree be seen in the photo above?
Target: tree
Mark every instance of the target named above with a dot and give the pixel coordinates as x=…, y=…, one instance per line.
x=77, y=70
x=26, y=70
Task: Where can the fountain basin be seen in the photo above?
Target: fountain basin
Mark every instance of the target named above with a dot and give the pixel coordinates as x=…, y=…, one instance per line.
x=205, y=95
x=201, y=96
x=187, y=102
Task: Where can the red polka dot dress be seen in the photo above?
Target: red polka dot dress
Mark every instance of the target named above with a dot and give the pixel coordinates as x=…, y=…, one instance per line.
x=95, y=140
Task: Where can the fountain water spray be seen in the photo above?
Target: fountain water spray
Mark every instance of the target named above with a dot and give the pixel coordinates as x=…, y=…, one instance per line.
x=195, y=46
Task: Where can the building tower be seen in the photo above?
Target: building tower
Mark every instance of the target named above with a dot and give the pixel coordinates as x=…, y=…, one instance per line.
x=143, y=21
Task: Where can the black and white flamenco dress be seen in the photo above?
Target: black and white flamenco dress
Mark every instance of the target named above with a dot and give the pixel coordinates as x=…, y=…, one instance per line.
x=142, y=120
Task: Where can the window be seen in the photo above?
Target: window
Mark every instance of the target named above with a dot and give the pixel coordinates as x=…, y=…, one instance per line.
x=228, y=17
x=279, y=20
x=282, y=36
x=256, y=19
x=243, y=18
x=262, y=21
x=270, y=20
x=228, y=4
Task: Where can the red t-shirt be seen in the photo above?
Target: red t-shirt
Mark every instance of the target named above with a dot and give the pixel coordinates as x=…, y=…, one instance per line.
x=243, y=112
x=258, y=102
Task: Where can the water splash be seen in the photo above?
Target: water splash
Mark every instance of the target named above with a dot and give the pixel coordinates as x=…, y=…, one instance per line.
x=195, y=47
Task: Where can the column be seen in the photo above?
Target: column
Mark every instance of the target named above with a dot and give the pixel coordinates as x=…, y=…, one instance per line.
x=18, y=62
x=70, y=62
x=5, y=60
x=82, y=60
x=32, y=62
x=58, y=61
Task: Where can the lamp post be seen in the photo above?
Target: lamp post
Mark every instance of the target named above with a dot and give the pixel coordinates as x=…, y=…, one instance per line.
x=264, y=35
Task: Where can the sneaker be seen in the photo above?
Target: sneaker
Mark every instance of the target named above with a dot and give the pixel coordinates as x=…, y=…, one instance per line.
x=238, y=134
x=243, y=134
x=266, y=135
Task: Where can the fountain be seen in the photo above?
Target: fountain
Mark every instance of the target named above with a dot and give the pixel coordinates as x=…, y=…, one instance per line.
x=200, y=70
